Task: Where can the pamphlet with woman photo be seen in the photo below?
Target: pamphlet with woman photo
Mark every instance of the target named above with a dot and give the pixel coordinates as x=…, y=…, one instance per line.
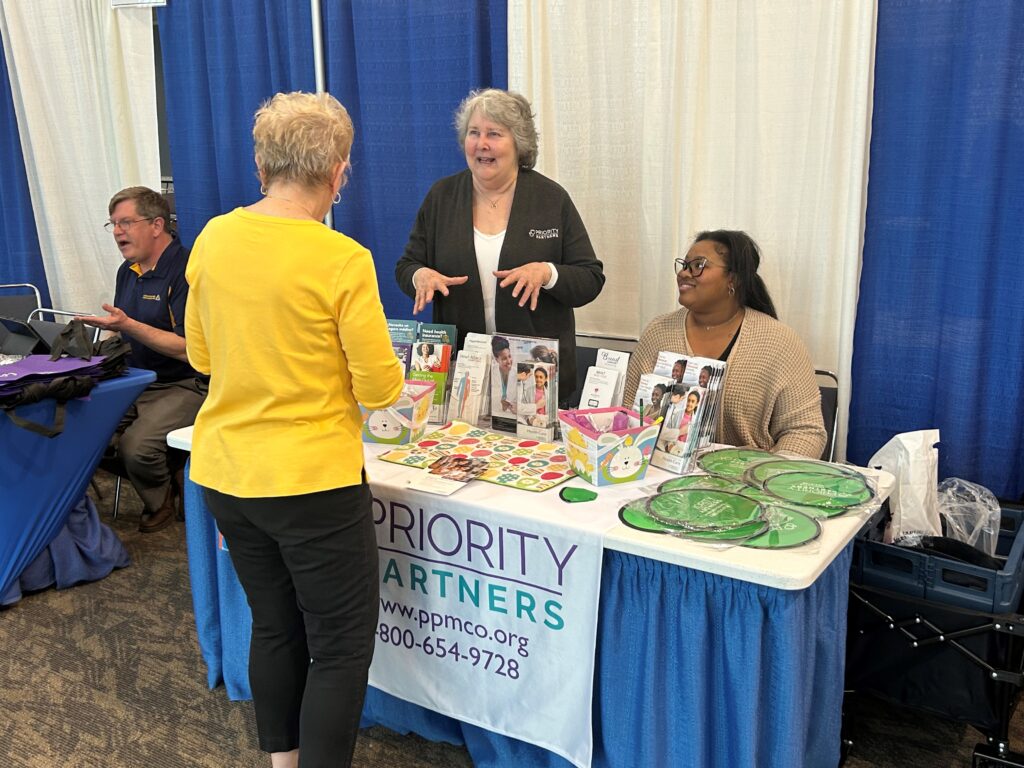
x=537, y=401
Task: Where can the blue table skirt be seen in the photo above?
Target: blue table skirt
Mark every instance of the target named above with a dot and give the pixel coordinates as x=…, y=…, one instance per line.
x=42, y=478
x=83, y=550
x=692, y=669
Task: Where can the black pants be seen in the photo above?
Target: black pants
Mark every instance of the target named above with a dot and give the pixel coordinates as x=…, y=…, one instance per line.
x=308, y=565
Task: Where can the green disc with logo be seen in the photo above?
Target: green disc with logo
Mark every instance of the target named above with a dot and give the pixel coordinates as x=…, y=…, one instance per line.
x=634, y=514
x=731, y=462
x=756, y=474
x=819, y=490
x=740, y=534
x=696, y=509
x=706, y=482
x=786, y=528
x=768, y=499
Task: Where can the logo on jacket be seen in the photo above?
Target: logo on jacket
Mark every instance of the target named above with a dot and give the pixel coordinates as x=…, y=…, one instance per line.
x=544, y=234
x=151, y=296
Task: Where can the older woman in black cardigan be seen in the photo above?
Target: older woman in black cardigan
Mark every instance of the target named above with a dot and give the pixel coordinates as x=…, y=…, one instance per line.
x=499, y=248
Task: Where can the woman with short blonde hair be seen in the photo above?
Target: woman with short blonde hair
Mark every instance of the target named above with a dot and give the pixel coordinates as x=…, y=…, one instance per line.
x=284, y=314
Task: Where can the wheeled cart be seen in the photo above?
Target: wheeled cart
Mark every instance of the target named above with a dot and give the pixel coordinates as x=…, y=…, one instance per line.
x=942, y=636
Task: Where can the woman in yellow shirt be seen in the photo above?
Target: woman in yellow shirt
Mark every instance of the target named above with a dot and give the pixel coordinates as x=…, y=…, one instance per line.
x=285, y=316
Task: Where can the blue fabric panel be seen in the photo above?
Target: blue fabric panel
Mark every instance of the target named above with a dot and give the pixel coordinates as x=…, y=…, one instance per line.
x=221, y=61
x=401, y=69
x=698, y=669
x=42, y=478
x=223, y=619
x=939, y=339
x=83, y=550
x=20, y=258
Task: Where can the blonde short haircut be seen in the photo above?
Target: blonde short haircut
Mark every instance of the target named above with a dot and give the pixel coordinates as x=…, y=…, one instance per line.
x=506, y=108
x=300, y=137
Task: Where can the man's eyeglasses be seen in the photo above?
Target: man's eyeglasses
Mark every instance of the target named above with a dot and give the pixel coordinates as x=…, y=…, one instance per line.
x=123, y=224
x=694, y=266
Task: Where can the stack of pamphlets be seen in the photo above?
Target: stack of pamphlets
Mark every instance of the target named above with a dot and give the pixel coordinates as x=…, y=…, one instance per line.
x=605, y=379
x=470, y=399
x=426, y=351
x=507, y=352
x=537, y=408
x=690, y=405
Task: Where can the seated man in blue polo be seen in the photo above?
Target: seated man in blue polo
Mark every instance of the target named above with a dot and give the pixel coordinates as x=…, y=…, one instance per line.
x=149, y=312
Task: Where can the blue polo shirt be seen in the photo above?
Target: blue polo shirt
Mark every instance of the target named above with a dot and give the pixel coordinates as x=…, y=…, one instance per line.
x=156, y=298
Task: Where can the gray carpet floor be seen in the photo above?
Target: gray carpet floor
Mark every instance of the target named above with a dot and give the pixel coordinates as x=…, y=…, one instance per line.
x=108, y=674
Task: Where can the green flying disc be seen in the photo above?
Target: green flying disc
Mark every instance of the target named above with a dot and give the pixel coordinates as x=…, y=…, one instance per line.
x=818, y=490
x=740, y=534
x=705, y=482
x=768, y=500
x=756, y=474
x=696, y=509
x=634, y=515
x=786, y=528
x=731, y=462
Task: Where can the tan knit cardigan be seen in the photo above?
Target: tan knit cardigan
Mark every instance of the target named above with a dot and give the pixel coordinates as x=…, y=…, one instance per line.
x=771, y=398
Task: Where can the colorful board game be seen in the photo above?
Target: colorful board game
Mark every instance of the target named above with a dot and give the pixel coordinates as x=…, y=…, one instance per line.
x=529, y=465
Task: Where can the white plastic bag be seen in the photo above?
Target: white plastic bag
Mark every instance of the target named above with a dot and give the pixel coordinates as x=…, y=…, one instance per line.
x=913, y=458
x=972, y=513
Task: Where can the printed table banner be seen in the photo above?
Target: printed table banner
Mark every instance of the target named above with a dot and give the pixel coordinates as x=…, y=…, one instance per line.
x=488, y=616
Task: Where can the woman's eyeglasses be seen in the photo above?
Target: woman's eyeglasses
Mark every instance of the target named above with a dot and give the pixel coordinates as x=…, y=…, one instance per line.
x=122, y=224
x=694, y=266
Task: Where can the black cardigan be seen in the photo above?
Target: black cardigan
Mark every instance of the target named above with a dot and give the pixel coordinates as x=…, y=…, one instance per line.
x=543, y=225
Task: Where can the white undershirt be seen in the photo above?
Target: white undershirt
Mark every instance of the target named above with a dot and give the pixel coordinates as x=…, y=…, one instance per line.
x=488, y=249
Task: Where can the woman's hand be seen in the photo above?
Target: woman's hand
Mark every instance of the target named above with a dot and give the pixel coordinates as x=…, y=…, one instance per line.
x=528, y=280
x=426, y=281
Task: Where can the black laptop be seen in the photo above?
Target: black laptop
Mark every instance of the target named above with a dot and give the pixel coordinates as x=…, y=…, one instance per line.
x=20, y=338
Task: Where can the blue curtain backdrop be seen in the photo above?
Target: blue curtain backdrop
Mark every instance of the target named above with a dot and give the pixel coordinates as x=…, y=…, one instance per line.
x=401, y=68
x=221, y=61
x=939, y=338
x=20, y=258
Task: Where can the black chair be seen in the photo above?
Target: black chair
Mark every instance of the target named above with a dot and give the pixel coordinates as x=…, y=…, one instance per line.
x=50, y=329
x=17, y=300
x=828, y=384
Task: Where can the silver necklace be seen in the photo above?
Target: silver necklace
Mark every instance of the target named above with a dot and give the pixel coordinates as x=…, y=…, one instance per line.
x=717, y=325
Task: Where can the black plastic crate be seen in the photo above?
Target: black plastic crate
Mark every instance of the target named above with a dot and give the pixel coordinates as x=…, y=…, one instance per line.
x=939, y=579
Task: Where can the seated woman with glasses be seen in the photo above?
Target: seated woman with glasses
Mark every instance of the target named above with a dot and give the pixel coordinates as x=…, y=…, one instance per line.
x=770, y=398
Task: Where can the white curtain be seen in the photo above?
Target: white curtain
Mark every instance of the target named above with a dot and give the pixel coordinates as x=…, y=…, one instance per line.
x=83, y=81
x=666, y=117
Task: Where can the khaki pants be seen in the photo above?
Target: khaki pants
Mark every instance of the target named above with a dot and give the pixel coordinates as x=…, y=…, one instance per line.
x=142, y=442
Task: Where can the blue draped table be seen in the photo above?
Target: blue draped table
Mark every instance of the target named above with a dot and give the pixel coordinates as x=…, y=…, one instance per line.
x=692, y=668
x=42, y=478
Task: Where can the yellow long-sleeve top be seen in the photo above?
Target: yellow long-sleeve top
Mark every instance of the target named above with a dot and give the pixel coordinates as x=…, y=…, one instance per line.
x=286, y=318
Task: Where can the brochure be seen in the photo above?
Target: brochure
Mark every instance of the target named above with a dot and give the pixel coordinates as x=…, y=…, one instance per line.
x=506, y=353
x=448, y=474
x=403, y=331
x=652, y=392
x=600, y=387
x=438, y=333
x=469, y=383
x=614, y=360
x=404, y=354
x=537, y=402
x=430, y=362
x=689, y=409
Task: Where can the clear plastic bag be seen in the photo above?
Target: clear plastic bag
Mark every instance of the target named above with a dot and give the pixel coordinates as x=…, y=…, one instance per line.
x=971, y=512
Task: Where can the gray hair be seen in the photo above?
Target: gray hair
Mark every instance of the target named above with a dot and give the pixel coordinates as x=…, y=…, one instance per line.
x=506, y=108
